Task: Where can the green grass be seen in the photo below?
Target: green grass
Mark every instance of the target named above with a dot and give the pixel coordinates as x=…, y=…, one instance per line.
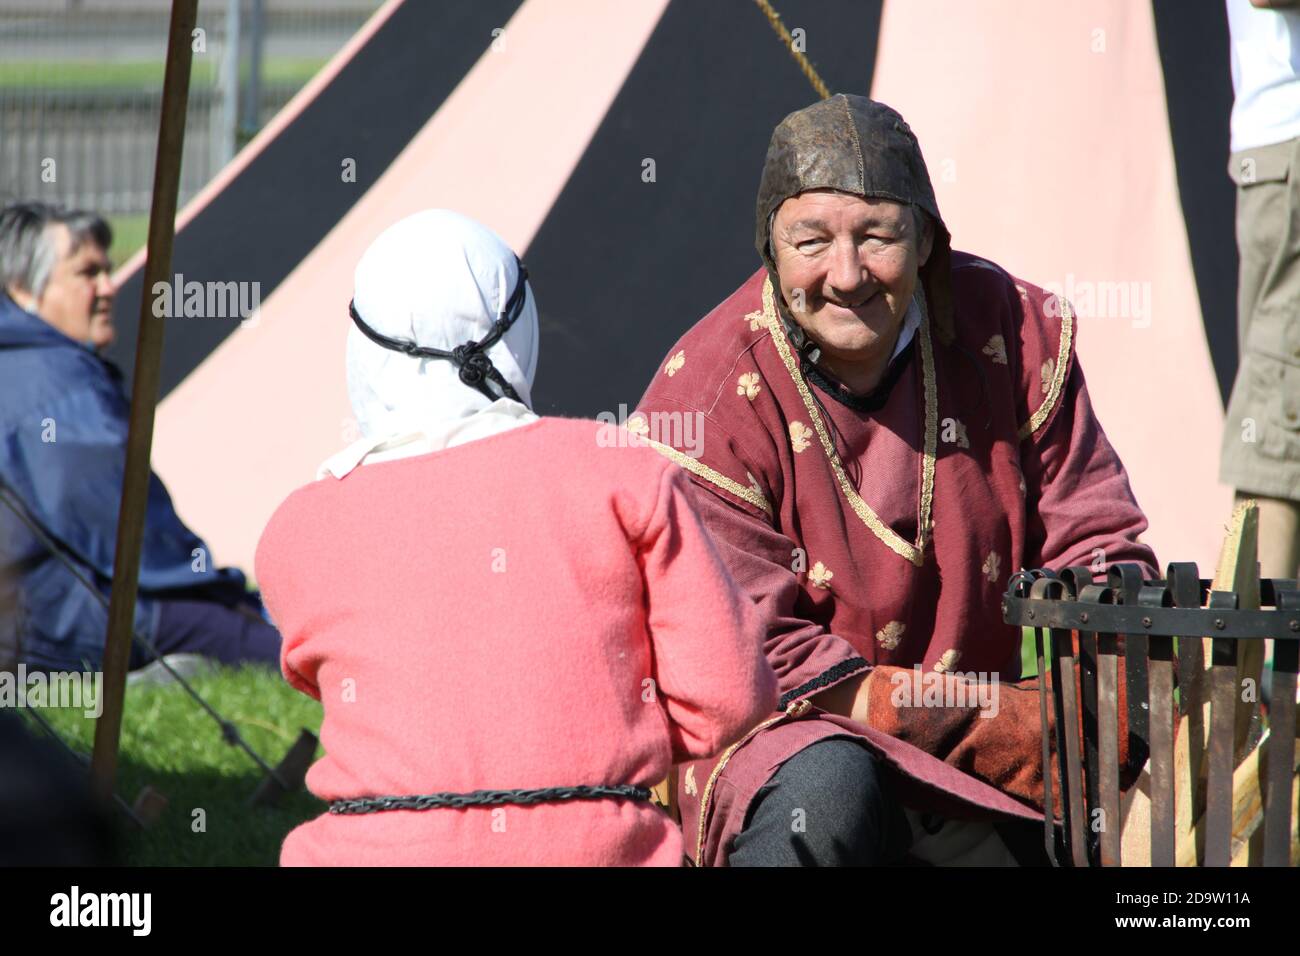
x=171, y=744
x=141, y=75
x=130, y=233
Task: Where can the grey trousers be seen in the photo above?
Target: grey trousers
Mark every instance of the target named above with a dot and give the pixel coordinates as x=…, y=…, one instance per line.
x=826, y=806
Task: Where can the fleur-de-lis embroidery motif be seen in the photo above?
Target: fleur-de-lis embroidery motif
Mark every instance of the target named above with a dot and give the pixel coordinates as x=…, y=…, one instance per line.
x=675, y=363
x=820, y=576
x=753, y=483
x=637, y=425
x=747, y=385
x=1047, y=373
x=799, y=436
x=891, y=635
x=755, y=319
x=948, y=661
x=996, y=349
x=691, y=788
x=991, y=565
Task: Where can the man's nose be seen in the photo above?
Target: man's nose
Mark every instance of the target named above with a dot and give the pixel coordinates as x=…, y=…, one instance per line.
x=104, y=287
x=847, y=273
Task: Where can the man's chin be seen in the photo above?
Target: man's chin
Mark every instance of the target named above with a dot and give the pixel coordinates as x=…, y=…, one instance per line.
x=848, y=334
x=103, y=335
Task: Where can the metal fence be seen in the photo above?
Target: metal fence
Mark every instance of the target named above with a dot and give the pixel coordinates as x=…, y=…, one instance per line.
x=81, y=89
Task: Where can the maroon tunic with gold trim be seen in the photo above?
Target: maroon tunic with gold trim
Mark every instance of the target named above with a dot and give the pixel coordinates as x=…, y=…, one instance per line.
x=883, y=537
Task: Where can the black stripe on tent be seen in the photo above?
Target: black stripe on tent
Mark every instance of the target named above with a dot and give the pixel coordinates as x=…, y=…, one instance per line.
x=1193, y=41
x=284, y=203
x=621, y=266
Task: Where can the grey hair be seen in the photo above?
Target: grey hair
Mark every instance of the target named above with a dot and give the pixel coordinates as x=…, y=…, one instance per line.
x=27, y=251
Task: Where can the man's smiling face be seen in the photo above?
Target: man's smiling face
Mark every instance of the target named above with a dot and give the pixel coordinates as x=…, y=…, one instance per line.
x=848, y=267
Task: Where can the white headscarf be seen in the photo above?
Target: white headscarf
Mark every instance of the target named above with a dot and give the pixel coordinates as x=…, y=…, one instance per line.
x=437, y=279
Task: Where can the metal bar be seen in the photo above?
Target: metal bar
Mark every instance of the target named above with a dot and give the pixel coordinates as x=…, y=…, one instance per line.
x=1044, y=692
x=1065, y=677
x=1218, y=800
x=228, y=80
x=1161, y=675
x=1088, y=705
x=253, y=94
x=144, y=394
x=1185, y=584
x=1108, y=741
x=1159, y=695
x=1165, y=622
x=1126, y=580
x=1281, y=755
x=1092, y=596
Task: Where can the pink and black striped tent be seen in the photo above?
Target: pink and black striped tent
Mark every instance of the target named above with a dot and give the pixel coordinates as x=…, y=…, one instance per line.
x=1081, y=146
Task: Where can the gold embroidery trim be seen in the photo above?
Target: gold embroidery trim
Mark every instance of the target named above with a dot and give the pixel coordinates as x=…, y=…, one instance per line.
x=913, y=552
x=797, y=708
x=1058, y=377
x=711, y=476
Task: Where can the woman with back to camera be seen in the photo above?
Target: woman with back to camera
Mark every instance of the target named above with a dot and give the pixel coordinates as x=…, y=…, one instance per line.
x=515, y=624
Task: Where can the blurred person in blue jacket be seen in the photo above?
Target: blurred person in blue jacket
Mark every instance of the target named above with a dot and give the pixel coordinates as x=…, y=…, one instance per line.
x=63, y=431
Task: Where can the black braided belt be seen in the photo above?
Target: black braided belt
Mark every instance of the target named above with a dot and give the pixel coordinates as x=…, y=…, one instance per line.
x=456, y=801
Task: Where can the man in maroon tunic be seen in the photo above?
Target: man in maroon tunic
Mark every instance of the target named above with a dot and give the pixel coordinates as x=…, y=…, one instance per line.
x=884, y=430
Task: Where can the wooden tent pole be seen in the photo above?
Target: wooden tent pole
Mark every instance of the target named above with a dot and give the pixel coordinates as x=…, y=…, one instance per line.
x=144, y=394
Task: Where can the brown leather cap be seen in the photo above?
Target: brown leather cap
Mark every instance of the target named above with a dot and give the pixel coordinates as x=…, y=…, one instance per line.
x=854, y=145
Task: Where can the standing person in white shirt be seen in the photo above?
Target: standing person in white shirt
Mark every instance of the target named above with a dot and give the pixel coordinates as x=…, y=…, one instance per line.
x=1261, y=444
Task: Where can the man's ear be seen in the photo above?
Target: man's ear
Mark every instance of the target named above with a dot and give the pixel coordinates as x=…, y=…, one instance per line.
x=926, y=244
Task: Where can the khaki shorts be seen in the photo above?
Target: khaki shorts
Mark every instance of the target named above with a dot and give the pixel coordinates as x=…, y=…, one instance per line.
x=1261, y=441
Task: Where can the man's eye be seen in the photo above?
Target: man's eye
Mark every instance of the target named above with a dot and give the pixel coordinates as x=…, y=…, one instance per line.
x=808, y=243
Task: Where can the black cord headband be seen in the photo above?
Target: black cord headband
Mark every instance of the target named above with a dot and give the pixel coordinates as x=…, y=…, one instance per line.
x=476, y=369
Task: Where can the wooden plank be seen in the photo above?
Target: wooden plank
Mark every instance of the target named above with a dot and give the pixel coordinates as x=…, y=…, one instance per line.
x=1241, y=554
x=1238, y=571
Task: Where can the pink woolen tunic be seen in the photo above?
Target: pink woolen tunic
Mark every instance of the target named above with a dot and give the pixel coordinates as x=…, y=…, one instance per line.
x=528, y=610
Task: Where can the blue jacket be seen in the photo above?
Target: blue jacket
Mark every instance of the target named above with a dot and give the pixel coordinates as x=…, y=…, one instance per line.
x=63, y=429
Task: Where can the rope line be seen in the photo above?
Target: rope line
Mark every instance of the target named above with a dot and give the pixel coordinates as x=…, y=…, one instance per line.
x=805, y=64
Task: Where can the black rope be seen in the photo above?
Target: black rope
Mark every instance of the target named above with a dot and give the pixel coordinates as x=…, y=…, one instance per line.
x=81, y=760
x=471, y=359
x=478, y=798
x=825, y=678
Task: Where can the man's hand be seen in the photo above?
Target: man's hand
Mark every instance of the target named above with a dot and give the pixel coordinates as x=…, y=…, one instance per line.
x=1272, y=4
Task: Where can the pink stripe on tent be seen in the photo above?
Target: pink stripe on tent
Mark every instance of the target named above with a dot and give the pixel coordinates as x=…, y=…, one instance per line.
x=254, y=420
x=1045, y=128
